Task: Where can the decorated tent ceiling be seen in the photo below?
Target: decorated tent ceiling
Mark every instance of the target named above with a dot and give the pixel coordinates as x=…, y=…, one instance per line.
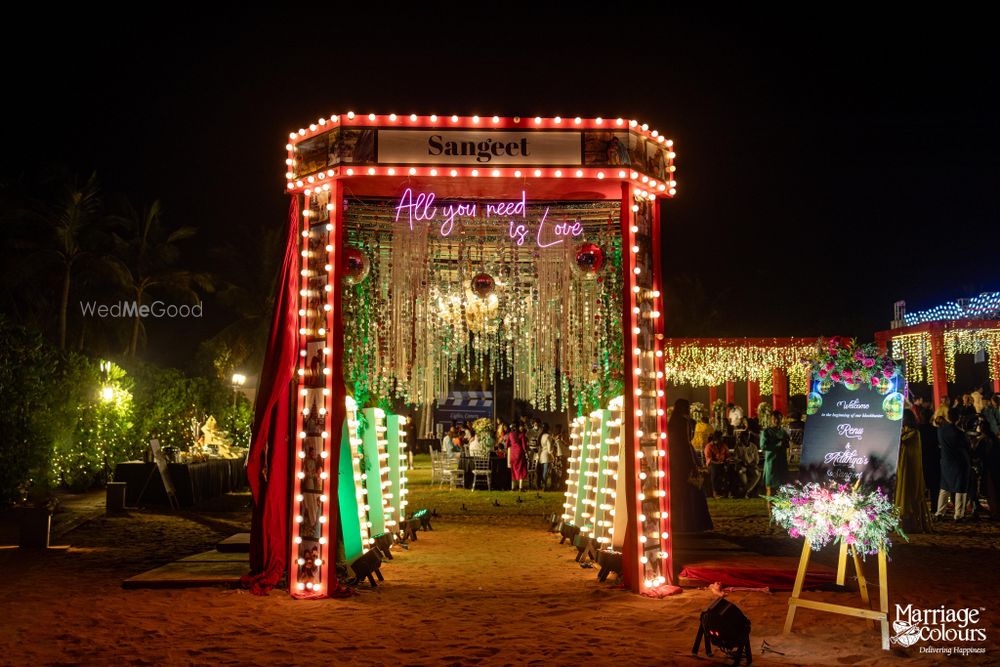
x=473, y=296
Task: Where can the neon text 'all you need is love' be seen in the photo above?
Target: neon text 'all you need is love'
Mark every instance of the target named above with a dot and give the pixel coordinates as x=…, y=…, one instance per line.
x=420, y=207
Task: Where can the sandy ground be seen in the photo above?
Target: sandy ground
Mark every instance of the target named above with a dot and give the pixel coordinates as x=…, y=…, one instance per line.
x=486, y=587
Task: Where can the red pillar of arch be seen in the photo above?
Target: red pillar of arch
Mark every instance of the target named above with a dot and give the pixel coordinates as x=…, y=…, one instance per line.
x=753, y=397
x=713, y=395
x=730, y=392
x=779, y=394
x=938, y=367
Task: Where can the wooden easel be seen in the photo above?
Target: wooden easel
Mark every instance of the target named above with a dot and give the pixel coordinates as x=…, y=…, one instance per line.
x=866, y=612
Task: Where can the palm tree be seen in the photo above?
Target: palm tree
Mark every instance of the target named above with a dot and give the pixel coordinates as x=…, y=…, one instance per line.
x=249, y=295
x=71, y=221
x=147, y=254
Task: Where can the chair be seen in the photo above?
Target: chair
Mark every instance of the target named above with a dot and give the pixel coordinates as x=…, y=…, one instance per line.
x=452, y=472
x=437, y=468
x=481, y=468
x=794, y=446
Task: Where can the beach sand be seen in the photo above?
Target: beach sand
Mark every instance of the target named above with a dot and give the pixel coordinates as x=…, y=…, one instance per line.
x=486, y=587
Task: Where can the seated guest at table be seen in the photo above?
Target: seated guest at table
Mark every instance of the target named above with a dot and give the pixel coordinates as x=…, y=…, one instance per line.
x=476, y=448
x=747, y=457
x=796, y=421
x=716, y=454
x=448, y=445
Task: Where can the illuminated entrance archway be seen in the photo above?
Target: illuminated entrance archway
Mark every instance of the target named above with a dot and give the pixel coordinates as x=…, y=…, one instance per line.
x=416, y=200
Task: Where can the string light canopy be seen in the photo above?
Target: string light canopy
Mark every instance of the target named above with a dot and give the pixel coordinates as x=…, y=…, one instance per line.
x=701, y=362
x=929, y=348
x=986, y=305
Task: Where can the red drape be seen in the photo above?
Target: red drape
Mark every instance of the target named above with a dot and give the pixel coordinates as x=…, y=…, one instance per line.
x=268, y=466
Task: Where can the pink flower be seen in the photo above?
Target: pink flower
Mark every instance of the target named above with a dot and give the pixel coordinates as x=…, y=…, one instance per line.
x=847, y=374
x=887, y=372
x=822, y=373
x=874, y=380
x=868, y=363
x=830, y=365
x=835, y=376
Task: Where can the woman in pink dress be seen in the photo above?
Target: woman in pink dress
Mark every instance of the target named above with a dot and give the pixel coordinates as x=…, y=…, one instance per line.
x=516, y=461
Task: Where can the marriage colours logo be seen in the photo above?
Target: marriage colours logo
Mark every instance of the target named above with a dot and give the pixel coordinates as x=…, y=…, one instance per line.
x=940, y=624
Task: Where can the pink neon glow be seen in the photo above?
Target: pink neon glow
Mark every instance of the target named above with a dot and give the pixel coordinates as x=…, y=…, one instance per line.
x=419, y=207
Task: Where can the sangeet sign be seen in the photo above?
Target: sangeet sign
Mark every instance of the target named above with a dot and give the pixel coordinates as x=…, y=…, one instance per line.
x=470, y=147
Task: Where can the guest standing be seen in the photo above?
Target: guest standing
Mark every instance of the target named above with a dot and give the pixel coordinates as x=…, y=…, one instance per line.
x=545, y=457
x=910, y=487
x=774, y=444
x=955, y=465
x=991, y=412
x=689, y=508
x=517, y=456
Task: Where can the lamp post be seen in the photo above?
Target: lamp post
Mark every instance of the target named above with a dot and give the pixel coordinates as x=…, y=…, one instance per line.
x=238, y=381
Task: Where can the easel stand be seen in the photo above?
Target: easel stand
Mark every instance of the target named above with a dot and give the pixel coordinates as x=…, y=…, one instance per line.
x=866, y=612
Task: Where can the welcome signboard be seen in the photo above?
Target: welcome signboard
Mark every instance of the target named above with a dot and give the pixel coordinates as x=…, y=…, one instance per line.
x=852, y=432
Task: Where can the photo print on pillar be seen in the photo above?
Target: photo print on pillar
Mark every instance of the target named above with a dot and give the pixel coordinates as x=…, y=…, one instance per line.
x=308, y=554
x=312, y=487
x=314, y=412
x=320, y=213
x=315, y=363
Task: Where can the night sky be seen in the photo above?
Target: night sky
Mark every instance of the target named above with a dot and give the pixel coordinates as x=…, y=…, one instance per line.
x=827, y=165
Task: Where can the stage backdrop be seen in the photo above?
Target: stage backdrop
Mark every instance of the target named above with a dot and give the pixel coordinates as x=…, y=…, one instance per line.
x=852, y=432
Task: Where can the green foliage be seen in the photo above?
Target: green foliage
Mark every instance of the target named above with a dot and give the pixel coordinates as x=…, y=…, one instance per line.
x=26, y=366
x=67, y=419
x=97, y=424
x=238, y=421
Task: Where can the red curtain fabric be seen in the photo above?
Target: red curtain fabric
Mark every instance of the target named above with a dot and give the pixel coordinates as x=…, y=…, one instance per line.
x=268, y=465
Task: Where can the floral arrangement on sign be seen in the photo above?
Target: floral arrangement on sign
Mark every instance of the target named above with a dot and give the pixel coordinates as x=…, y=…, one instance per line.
x=823, y=514
x=844, y=360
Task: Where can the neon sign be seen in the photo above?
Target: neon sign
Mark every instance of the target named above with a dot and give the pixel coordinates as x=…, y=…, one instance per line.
x=420, y=207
